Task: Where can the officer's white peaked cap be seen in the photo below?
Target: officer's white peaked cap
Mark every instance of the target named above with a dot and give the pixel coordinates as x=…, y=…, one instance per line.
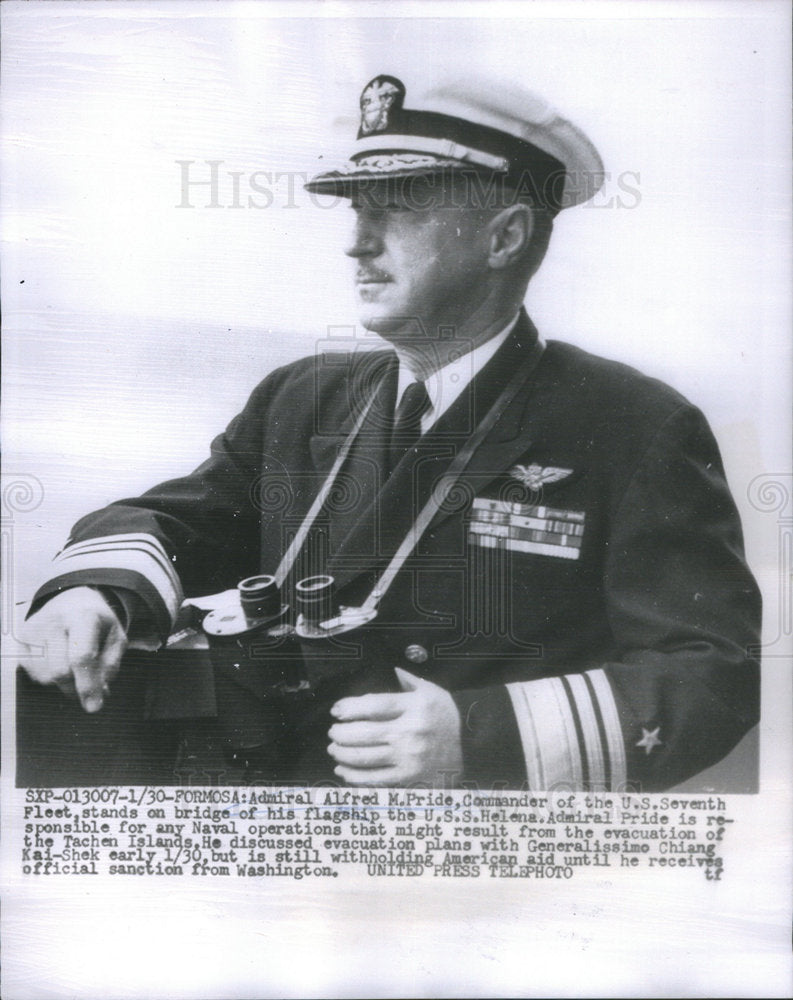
x=488, y=127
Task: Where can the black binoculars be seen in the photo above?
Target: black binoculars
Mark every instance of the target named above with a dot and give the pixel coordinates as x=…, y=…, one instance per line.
x=274, y=663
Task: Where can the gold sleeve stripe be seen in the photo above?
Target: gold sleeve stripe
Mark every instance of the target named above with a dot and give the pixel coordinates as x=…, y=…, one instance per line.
x=547, y=732
x=137, y=553
x=570, y=732
x=535, y=773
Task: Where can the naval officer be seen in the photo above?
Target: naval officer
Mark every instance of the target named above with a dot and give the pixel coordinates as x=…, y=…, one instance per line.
x=541, y=544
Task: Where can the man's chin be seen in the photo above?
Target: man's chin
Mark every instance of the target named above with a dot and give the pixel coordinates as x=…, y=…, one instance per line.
x=392, y=328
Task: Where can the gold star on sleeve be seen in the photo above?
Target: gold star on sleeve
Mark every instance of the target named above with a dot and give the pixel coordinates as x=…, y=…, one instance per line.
x=649, y=739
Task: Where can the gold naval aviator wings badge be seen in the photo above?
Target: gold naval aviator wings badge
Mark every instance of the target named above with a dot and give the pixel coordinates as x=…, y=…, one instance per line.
x=534, y=477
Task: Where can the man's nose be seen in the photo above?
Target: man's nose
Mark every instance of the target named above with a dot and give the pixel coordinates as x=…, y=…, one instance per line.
x=366, y=240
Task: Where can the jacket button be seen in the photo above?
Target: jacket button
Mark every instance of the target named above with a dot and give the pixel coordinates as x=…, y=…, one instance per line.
x=416, y=654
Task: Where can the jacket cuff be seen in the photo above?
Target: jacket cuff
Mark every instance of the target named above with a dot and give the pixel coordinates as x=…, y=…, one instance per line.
x=138, y=619
x=555, y=733
x=570, y=732
x=139, y=610
x=136, y=564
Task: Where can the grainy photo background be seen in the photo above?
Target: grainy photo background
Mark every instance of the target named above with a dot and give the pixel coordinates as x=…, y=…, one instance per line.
x=140, y=312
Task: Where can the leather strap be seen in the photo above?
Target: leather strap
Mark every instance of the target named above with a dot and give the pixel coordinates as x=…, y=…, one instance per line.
x=288, y=558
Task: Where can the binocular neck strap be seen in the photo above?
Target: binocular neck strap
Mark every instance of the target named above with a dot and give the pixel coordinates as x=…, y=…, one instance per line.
x=288, y=559
x=447, y=483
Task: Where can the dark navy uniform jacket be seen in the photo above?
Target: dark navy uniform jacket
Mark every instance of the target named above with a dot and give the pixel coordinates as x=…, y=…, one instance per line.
x=582, y=591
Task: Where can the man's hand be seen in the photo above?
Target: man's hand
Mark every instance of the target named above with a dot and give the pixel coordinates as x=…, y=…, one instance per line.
x=398, y=739
x=75, y=641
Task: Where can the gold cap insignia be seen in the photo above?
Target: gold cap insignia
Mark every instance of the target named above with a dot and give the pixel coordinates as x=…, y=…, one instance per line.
x=377, y=100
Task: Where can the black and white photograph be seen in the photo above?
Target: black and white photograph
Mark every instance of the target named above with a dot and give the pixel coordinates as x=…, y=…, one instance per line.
x=397, y=429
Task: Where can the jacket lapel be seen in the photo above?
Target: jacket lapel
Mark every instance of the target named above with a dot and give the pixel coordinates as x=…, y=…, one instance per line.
x=371, y=372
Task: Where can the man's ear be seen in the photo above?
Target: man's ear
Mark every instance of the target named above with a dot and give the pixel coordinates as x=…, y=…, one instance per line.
x=510, y=236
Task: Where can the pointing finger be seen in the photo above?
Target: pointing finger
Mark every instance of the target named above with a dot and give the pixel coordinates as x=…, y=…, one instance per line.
x=90, y=684
x=85, y=649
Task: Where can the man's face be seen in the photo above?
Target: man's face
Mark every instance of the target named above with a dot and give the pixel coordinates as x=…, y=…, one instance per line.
x=421, y=260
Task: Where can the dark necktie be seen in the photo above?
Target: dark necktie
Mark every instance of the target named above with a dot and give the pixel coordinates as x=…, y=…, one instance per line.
x=407, y=421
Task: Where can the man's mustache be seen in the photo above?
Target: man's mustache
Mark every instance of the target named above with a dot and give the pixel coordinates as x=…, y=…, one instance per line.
x=371, y=274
